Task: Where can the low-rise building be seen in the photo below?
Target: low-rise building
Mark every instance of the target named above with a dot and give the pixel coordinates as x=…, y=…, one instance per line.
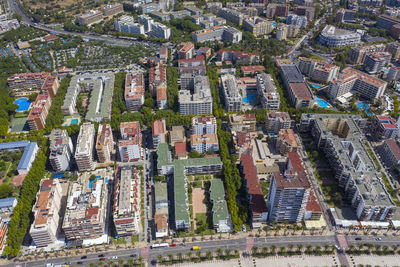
x=111, y=10
x=318, y=70
x=205, y=51
x=251, y=70
x=221, y=219
x=286, y=142
x=267, y=92
x=104, y=143
x=24, y=84
x=127, y=201
x=28, y=157
x=45, y=227
x=61, y=149
x=345, y=15
x=332, y=36
x=159, y=132
x=177, y=135
x=277, y=121
x=231, y=93
x=243, y=122
x=84, y=147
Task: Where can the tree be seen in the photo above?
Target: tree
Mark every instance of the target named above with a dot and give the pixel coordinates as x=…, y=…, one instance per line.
x=254, y=250
x=159, y=258
x=299, y=247
x=209, y=255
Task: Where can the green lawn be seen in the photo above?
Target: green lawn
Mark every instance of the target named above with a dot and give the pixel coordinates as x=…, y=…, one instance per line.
x=203, y=222
x=264, y=187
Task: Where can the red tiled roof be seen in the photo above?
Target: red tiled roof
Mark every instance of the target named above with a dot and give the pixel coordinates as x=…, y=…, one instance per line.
x=91, y=211
x=158, y=127
x=312, y=204
x=122, y=221
x=252, y=68
x=301, y=91
x=180, y=147
x=394, y=147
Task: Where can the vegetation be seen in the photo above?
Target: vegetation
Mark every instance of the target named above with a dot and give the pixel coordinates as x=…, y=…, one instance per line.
x=181, y=29
x=20, y=220
x=23, y=33
x=172, y=88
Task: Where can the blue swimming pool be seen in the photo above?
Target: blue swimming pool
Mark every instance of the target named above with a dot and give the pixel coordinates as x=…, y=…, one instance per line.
x=250, y=98
x=316, y=86
x=74, y=121
x=322, y=103
x=364, y=106
x=90, y=183
x=23, y=104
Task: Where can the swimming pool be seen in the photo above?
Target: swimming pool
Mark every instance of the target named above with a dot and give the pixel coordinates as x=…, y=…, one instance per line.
x=322, y=103
x=273, y=24
x=74, y=122
x=23, y=104
x=316, y=86
x=364, y=106
x=250, y=98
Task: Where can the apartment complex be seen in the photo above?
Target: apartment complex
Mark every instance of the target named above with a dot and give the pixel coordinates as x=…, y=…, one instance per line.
x=243, y=122
x=277, y=121
x=377, y=61
x=130, y=146
x=318, y=70
x=179, y=169
x=299, y=93
x=294, y=19
x=387, y=22
x=134, y=91
x=127, y=201
x=267, y=92
x=159, y=132
x=85, y=214
x=357, y=54
x=345, y=15
x=220, y=215
x=61, y=149
x=257, y=26
x=111, y=10
x=38, y=114
x=195, y=95
x=24, y=84
x=340, y=138
x=354, y=80
x=289, y=192
x=217, y=33
x=104, y=143
x=284, y=31
x=332, y=36
x=45, y=227
x=277, y=10
x=231, y=93
x=257, y=205
x=84, y=147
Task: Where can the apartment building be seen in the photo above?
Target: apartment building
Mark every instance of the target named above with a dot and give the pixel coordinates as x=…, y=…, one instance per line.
x=390, y=153
x=111, y=10
x=267, y=92
x=257, y=206
x=91, y=17
x=385, y=127
x=340, y=138
x=204, y=125
x=127, y=24
x=163, y=54
x=394, y=49
x=289, y=192
x=238, y=57
x=61, y=149
x=177, y=135
x=243, y=122
x=204, y=143
x=299, y=93
x=186, y=50
x=232, y=15
x=159, y=132
x=161, y=209
x=195, y=95
x=318, y=70
x=157, y=79
x=286, y=142
x=38, y=114
x=217, y=33
x=294, y=19
x=386, y=22
x=134, y=91
x=377, y=61
x=277, y=10
x=308, y=11
x=231, y=93
x=86, y=212
x=179, y=169
x=28, y=157
x=154, y=28
x=50, y=86
x=127, y=201
x=84, y=147
x=257, y=26
x=24, y=84
x=277, y=121
x=220, y=216
x=357, y=54
x=335, y=37
x=205, y=51
x=354, y=80
x=104, y=143
x=130, y=146
x=45, y=227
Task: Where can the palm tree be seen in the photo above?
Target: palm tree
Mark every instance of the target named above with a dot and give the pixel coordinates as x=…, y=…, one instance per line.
x=273, y=249
x=198, y=254
x=92, y=264
x=394, y=248
x=219, y=252
x=377, y=247
x=254, y=249
x=159, y=258
x=189, y=255
x=101, y=263
x=299, y=247
x=291, y=246
x=180, y=256
x=237, y=253
x=326, y=247
x=309, y=247
x=265, y=250
x=130, y=262
x=227, y=252
x=140, y=259
x=121, y=262
x=209, y=255
x=111, y=263
x=282, y=249
x=170, y=257
x=360, y=247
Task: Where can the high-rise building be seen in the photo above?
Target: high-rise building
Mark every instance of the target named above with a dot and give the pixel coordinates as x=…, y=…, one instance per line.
x=84, y=147
x=195, y=95
x=357, y=54
x=104, y=143
x=318, y=70
x=377, y=61
x=204, y=125
x=243, y=122
x=231, y=93
x=332, y=36
x=38, y=114
x=45, y=227
x=127, y=24
x=90, y=17
x=126, y=206
x=267, y=92
x=61, y=149
x=134, y=91
x=289, y=192
x=276, y=121
x=130, y=147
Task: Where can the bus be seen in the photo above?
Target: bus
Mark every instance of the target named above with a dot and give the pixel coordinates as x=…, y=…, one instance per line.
x=161, y=245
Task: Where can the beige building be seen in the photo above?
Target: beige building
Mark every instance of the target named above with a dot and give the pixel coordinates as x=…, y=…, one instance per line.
x=88, y=18
x=243, y=122
x=276, y=121
x=104, y=143
x=177, y=134
x=45, y=227
x=204, y=143
x=84, y=147
x=111, y=10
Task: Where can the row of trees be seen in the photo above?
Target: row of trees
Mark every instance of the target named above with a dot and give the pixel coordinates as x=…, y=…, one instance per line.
x=55, y=117
x=20, y=220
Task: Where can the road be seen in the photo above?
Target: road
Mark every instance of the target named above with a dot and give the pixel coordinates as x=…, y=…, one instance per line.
x=14, y=8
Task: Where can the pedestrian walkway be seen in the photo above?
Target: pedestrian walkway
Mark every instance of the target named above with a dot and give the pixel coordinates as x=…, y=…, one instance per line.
x=249, y=243
x=144, y=252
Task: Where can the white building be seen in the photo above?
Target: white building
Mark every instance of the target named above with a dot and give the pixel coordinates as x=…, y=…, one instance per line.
x=267, y=92
x=84, y=147
x=61, y=149
x=127, y=24
x=332, y=36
